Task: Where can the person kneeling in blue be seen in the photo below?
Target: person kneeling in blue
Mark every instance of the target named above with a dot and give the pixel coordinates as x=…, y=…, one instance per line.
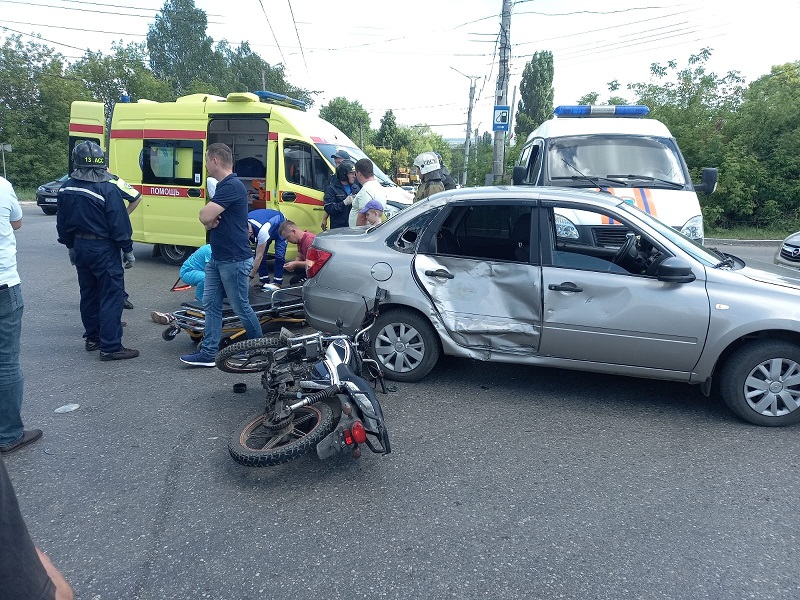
x=193, y=272
x=264, y=224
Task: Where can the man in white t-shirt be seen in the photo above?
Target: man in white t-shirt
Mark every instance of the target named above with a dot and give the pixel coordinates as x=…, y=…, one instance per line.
x=12, y=434
x=371, y=189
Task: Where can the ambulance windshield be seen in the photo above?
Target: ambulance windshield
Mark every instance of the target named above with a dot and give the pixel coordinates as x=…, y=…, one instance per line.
x=632, y=161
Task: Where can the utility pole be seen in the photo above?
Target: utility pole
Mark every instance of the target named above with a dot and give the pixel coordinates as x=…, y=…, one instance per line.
x=472, y=79
x=501, y=94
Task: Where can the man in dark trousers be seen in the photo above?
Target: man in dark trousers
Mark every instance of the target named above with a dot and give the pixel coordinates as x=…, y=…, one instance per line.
x=92, y=222
x=228, y=271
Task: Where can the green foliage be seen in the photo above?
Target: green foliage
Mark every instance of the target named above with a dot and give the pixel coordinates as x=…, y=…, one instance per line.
x=536, y=94
x=180, y=50
x=387, y=133
x=350, y=117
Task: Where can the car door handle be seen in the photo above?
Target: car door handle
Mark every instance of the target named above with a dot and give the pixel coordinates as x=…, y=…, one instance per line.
x=193, y=193
x=567, y=286
x=439, y=273
x=288, y=196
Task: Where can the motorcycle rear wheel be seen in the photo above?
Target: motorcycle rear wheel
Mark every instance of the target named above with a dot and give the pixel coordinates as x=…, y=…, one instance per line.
x=247, y=356
x=254, y=445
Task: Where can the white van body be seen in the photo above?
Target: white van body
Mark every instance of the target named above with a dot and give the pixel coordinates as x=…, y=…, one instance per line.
x=631, y=157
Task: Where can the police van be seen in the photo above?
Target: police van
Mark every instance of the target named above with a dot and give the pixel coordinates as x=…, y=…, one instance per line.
x=617, y=150
x=281, y=153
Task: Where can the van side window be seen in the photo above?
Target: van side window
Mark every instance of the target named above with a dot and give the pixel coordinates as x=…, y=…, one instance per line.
x=303, y=165
x=172, y=162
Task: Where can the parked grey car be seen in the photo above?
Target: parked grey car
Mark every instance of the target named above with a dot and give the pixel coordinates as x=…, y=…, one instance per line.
x=563, y=278
x=788, y=255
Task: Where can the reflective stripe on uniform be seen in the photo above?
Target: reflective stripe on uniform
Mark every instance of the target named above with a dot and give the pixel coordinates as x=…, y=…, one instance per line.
x=78, y=190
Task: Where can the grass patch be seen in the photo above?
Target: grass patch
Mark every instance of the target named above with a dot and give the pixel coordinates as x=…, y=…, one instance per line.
x=748, y=233
x=26, y=194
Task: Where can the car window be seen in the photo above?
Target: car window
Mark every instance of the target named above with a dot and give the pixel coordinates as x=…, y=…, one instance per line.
x=406, y=238
x=593, y=240
x=486, y=231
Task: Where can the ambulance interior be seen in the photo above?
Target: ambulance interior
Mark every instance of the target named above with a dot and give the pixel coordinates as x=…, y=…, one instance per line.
x=247, y=138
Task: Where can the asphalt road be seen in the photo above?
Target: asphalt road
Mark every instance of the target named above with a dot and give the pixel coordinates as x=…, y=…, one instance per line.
x=505, y=481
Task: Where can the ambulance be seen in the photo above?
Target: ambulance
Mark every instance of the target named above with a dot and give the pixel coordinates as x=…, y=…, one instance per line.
x=615, y=149
x=281, y=153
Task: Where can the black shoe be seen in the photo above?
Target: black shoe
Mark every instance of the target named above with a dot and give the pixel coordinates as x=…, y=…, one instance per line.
x=127, y=304
x=92, y=345
x=122, y=354
x=28, y=437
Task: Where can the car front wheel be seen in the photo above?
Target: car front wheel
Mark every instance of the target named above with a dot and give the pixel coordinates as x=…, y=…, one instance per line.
x=404, y=344
x=761, y=383
x=49, y=210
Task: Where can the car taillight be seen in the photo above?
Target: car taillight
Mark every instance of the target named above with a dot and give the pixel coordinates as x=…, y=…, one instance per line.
x=359, y=433
x=315, y=260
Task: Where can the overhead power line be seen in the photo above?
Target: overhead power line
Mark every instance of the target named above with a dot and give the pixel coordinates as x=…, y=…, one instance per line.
x=283, y=58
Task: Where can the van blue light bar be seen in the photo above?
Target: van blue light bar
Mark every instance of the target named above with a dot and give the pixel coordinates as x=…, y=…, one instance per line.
x=280, y=99
x=588, y=110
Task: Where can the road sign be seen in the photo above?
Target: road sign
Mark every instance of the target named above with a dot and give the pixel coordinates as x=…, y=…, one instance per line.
x=5, y=147
x=502, y=117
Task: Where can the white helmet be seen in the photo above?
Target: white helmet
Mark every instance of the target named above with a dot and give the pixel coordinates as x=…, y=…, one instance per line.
x=427, y=162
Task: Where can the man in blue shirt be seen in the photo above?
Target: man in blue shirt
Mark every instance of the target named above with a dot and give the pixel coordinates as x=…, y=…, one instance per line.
x=228, y=270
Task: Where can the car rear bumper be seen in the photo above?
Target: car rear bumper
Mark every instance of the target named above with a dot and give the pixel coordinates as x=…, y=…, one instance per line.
x=325, y=305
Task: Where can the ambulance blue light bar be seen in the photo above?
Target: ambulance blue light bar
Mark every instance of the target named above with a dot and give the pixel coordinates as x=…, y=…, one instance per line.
x=588, y=110
x=280, y=99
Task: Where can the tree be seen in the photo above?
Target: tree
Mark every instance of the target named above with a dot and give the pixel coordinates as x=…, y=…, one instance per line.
x=108, y=77
x=180, y=50
x=35, y=96
x=350, y=117
x=535, y=105
x=387, y=133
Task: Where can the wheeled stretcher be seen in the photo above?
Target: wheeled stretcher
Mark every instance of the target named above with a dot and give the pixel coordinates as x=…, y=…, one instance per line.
x=274, y=309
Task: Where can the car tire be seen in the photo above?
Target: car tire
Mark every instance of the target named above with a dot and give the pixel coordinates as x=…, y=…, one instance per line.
x=49, y=210
x=404, y=344
x=760, y=383
x=174, y=255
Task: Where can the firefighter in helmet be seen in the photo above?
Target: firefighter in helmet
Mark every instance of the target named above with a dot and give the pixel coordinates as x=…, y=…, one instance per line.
x=92, y=222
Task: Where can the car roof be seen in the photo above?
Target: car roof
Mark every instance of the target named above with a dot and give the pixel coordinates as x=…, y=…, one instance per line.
x=529, y=193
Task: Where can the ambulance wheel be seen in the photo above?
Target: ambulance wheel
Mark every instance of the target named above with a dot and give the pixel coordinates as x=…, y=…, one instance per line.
x=174, y=255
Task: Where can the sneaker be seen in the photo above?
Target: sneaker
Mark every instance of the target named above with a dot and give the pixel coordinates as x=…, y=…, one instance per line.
x=121, y=354
x=198, y=359
x=28, y=437
x=127, y=304
x=92, y=345
x=161, y=318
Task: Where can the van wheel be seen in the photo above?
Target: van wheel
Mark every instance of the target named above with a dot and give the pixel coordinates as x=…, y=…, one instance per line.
x=175, y=255
x=404, y=344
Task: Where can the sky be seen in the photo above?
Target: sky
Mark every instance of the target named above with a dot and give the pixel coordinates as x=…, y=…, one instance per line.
x=417, y=58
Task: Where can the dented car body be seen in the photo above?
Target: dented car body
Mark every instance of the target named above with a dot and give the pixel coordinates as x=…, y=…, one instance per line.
x=563, y=278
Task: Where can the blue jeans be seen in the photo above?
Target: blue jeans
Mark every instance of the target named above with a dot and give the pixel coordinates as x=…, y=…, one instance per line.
x=231, y=279
x=11, y=379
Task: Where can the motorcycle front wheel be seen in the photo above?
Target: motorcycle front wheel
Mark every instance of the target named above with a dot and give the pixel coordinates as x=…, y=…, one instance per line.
x=256, y=444
x=248, y=356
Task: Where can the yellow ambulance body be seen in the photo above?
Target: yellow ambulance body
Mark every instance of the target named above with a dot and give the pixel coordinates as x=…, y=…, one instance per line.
x=281, y=153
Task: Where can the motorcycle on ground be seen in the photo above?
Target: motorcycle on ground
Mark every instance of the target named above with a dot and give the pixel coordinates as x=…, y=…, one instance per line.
x=318, y=395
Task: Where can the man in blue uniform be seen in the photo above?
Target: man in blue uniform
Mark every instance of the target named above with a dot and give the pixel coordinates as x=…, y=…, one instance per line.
x=93, y=223
x=339, y=196
x=225, y=218
x=263, y=225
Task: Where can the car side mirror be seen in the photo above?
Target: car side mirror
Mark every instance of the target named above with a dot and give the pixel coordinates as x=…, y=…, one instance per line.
x=708, y=181
x=518, y=175
x=675, y=270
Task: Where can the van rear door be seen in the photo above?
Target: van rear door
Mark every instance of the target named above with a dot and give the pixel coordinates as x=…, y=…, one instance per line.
x=87, y=121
